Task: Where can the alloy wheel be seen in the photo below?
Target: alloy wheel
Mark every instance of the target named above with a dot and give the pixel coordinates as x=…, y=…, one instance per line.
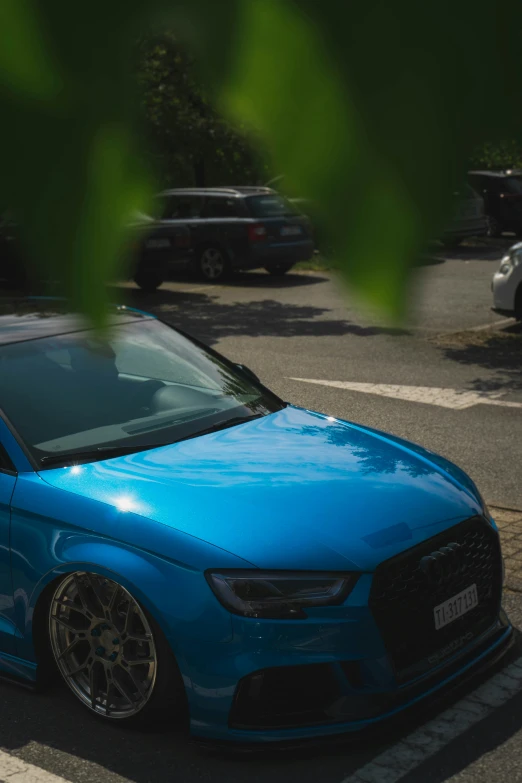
x=103, y=645
x=212, y=263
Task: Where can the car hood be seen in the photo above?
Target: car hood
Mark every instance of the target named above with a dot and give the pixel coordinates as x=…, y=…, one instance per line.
x=291, y=490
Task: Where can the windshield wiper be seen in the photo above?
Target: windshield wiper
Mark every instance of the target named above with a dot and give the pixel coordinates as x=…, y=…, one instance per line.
x=221, y=425
x=105, y=452
x=101, y=452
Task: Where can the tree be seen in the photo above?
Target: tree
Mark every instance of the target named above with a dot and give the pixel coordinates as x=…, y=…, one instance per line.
x=189, y=141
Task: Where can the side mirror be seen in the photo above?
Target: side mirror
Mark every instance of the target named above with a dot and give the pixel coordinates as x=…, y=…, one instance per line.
x=247, y=371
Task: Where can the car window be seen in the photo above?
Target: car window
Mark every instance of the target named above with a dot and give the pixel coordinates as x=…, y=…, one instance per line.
x=216, y=207
x=271, y=205
x=5, y=462
x=138, y=383
x=181, y=207
x=513, y=184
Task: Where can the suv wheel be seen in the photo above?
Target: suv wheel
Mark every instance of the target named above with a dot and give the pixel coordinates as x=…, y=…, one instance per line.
x=279, y=269
x=213, y=264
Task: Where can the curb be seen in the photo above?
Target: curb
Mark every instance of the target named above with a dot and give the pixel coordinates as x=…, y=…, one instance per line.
x=506, y=508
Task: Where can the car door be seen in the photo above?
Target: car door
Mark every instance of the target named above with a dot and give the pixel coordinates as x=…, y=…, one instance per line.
x=7, y=484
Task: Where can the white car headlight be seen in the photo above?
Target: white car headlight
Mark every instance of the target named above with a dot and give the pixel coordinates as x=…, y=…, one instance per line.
x=513, y=259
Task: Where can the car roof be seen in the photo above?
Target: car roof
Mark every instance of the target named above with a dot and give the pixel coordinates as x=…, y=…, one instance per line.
x=237, y=191
x=506, y=173
x=32, y=318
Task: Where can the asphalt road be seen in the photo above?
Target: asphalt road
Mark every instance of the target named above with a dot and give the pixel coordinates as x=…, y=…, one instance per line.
x=306, y=326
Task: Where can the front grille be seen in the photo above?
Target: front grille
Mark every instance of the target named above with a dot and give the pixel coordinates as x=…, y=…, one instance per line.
x=402, y=598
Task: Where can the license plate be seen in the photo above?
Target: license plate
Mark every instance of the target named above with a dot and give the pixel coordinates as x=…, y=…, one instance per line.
x=157, y=243
x=455, y=607
x=290, y=231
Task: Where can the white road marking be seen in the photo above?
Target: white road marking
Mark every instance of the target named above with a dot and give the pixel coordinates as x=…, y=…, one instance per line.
x=484, y=327
x=443, y=398
x=14, y=770
x=396, y=762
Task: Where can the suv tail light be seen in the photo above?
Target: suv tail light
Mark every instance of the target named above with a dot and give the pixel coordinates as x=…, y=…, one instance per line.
x=257, y=232
x=182, y=240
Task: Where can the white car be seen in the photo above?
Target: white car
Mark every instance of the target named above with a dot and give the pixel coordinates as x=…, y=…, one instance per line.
x=507, y=283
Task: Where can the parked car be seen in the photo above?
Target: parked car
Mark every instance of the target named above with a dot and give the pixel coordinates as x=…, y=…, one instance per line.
x=159, y=246
x=502, y=194
x=156, y=247
x=507, y=284
x=177, y=541
x=239, y=228
x=469, y=218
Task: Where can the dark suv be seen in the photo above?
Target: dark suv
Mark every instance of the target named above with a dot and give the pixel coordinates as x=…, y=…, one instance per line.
x=502, y=194
x=239, y=228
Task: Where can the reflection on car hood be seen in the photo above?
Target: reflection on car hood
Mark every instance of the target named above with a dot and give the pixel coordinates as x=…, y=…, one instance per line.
x=290, y=490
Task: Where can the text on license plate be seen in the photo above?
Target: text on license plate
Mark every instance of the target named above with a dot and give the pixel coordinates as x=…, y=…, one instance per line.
x=455, y=607
x=290, y=231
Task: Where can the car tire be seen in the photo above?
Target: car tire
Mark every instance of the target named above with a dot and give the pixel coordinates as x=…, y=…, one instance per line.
x=277, y=270
x=212, y=264
x=494, y=227
x=149, y=280
x=97, y=632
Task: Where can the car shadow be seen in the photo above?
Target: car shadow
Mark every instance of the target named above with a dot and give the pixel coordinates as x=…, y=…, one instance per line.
x=54, y=731
x=210, y=319
x=253, y=279
x=480, y=249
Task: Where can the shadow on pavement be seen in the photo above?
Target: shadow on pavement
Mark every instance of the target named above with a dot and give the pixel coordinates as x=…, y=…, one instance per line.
x=255, y=279
x=500, y=351
x=472, y=250
x=203, y=316
x=51, y=730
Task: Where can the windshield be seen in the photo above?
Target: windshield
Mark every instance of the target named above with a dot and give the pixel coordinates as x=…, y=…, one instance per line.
x=140, y=384
x=270, y=206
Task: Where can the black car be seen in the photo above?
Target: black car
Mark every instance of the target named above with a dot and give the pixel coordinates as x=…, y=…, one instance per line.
x=238, y=228
x=502, y=194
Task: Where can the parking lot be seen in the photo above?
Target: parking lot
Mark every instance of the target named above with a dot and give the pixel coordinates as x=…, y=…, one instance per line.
x=448, y=378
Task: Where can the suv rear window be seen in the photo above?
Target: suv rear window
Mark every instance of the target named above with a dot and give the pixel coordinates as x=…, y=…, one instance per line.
x=513, y=184
x=270, y=206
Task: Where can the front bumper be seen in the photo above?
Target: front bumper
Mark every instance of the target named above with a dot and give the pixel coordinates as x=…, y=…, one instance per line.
x=503, y=288
x=347, y=667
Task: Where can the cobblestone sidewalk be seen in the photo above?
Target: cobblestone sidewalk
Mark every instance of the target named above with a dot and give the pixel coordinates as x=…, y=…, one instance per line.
x=510, y=526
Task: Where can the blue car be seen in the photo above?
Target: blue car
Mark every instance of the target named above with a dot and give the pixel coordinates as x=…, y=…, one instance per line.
x=177, y=542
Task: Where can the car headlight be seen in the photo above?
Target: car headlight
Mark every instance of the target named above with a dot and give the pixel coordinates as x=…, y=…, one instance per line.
x=513, y=259
x=279, y=594
x=506, y=266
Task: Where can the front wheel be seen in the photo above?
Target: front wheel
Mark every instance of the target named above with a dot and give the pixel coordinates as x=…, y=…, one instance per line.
x=279, y=269
x=111, y=653
x=212, y=264
x=149, y=280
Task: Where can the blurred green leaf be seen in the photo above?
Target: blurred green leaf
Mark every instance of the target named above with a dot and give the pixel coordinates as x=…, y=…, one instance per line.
x=371, y=109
